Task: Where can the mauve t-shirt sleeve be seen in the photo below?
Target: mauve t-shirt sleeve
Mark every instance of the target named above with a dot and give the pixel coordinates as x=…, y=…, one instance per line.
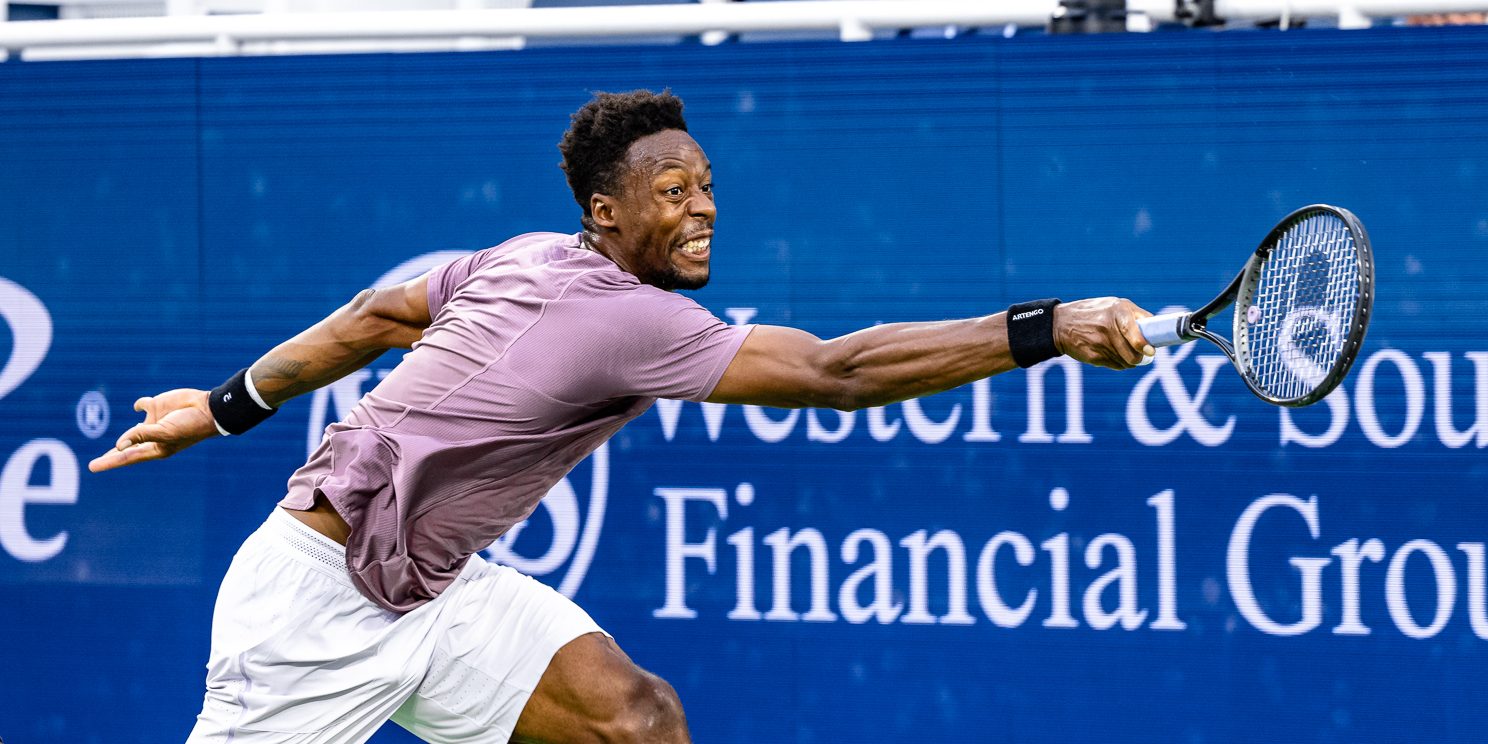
x=443, y=280
x=638, y=343
x=678, y=350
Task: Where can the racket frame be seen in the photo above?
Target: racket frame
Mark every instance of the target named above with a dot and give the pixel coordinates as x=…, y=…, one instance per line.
x=1241, y=294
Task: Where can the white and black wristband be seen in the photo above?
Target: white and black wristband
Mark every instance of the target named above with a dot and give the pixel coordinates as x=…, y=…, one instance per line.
x=1030, y=327
x=236, y=405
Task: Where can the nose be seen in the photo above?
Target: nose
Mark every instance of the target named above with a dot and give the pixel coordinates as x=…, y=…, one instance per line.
x=701, y=206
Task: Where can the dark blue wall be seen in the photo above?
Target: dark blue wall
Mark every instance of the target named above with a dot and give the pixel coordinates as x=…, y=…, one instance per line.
x=173, y=219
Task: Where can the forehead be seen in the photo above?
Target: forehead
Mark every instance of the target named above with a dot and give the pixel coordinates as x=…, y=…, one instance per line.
x=670, y=148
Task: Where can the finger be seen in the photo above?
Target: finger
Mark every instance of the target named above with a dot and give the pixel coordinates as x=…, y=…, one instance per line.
x=1122, y=346
x=1136, y=310
x=146, y=405
x=119, y=458
x=141, y=434
x=1129, y=315
x=1133, y=333
x=1104, y=357
x=129, y=438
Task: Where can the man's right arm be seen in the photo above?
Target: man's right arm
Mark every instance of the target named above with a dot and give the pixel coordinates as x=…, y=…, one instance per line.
x=789, y=368
x=347, y=340
x=350, y=338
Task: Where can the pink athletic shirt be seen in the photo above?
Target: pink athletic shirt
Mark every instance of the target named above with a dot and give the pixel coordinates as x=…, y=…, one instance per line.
x=538, y=352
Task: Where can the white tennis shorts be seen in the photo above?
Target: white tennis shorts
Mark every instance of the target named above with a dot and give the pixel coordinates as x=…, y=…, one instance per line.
x=299, y=655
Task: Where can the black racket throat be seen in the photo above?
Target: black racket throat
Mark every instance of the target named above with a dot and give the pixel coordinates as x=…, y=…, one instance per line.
x=1196, y=325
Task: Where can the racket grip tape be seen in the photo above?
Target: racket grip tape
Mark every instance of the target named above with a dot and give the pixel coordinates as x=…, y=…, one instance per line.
x=1165, y=329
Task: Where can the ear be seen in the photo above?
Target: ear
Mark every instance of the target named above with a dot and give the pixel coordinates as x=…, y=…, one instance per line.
x=602, y=210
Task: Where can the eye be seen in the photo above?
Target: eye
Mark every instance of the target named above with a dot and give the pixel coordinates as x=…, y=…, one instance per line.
x=674, y=191
x=707, y=188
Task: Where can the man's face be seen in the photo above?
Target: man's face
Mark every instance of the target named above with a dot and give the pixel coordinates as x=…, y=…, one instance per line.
x=664, y=212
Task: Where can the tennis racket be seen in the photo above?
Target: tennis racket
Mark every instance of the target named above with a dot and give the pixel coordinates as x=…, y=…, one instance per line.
x=1301, y=307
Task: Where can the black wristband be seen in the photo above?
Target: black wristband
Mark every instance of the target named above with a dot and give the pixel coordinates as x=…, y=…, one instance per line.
x=1030, y=327
x=234, y=406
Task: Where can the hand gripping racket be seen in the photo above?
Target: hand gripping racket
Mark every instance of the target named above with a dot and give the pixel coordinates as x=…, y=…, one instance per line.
x=1302, y=304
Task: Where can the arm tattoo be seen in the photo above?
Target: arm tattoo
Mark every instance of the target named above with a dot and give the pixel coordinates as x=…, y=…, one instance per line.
x=278, y=368
x=331, y=349
x=277, y=378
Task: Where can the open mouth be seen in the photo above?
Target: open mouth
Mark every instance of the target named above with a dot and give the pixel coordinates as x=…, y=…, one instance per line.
x=697, y=247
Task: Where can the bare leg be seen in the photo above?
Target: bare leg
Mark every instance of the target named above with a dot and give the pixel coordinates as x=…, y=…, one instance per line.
x=593, y=692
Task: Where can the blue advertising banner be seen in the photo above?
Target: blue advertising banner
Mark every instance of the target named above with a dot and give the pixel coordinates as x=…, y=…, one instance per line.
x=1062, y=554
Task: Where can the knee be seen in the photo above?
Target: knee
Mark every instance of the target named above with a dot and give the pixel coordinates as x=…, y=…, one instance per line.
x=651, y=713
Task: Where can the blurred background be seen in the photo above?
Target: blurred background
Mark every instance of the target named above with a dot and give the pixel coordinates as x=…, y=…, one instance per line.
x=1057, y=555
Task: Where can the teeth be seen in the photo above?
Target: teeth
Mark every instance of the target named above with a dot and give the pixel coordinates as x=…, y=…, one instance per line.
x=696, y=246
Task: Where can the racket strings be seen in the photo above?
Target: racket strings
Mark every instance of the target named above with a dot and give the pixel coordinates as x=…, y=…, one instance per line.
x=1305, y=300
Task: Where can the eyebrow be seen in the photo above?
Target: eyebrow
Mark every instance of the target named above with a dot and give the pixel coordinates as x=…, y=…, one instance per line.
x=665, y=162
x=663, y=167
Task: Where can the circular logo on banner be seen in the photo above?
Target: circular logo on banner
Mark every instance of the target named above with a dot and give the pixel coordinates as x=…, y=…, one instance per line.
x=556, y=543
x=92, y=414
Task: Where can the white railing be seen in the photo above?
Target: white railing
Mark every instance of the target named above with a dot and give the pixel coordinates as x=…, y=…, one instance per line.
x=850, y=20
x=1349, y=13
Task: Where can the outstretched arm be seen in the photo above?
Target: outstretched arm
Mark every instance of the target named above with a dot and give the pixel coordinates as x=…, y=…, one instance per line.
x=349, y=339
x=357, y=333
x=788, y=368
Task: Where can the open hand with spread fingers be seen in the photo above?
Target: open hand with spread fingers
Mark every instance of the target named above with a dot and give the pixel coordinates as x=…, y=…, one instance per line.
x=173, y=421
x=1102, y=331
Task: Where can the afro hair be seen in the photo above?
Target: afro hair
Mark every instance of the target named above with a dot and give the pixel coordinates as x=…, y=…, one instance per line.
x=602, y=132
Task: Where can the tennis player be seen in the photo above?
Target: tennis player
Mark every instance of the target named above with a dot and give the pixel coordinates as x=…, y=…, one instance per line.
x=362, y=597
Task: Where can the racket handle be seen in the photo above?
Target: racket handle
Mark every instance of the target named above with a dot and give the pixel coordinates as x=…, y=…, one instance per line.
x=1164, y=330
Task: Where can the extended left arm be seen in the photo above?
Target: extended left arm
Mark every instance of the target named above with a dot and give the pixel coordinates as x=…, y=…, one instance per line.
x=789, y=368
